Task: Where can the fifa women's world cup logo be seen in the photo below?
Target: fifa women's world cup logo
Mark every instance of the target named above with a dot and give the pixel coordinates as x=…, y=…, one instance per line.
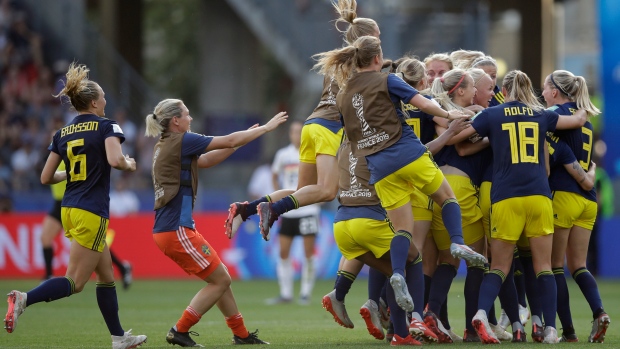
x=358, y=104
x=352, y=164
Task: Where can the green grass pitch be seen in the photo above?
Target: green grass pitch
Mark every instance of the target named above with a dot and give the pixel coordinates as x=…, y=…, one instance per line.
x=152, y=307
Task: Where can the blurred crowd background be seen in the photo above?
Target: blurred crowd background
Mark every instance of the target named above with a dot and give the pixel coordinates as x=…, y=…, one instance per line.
x=238, y=62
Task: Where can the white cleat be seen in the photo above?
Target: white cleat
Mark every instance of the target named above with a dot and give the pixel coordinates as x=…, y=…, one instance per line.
x=465, y=252
x=550, y=335
x=482, y=327
x=501, y=333
x=17, y=306
x=524, y=315
x=599, y=328
x=372, y=317
x=128, y=341
x=401, y=293
x=337, y=309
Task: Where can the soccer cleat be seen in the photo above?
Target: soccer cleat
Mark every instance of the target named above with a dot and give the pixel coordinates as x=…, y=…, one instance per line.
x=370, y=314
x=537, y=333
x=401, y=293
x=17, y=306
x=481, y=325
x=465, y=252
x=337, y=309
x=384, y=311
x=128, y=341
x=519, y=336
x=252, y=338
x=431, y=321
x=524, y=315
x=236, y=216
x=266, y=218
x=503, y=321
x=599, y=328
x=419, y=329
x=455, y=337
x=127, y=275
x=569, y=338
x=500, y=333
x=398, y=340
x=182, y=339
x=278, y=300
x=551, y=335
x=470, y=337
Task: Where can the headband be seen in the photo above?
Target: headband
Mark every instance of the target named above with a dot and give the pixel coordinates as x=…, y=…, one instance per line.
x=558, y=86
x=457, y=84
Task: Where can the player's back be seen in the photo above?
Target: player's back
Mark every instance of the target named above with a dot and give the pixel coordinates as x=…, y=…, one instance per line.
x=580, y=142
x=81, y=144
x=517, y=135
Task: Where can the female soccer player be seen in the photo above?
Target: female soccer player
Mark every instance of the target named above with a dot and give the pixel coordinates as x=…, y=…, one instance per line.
x=89, y=146
x=520, y=195
x=413, y=72
x=489, y=65
x=320, y=138
x=396, y=159
x=574, y=208
x=363, y=232
x=176, y=158
x=437, y=64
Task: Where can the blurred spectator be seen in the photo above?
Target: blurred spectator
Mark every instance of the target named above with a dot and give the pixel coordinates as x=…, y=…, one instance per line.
x=24, y=162
x=129, y=129
x=144, y=159
x=5, y=177
x=122, y=200
x=261, y=182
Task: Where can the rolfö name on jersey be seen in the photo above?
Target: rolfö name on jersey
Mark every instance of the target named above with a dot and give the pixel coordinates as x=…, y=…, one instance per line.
x=79, y=127
x=514, y=111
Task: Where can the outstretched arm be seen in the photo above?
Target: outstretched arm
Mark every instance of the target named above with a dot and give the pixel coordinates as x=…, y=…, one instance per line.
x=214, y=157
x=427, y=106
x=240, y=138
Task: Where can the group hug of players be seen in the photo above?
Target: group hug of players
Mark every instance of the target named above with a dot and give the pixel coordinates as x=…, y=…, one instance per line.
x=412, y=155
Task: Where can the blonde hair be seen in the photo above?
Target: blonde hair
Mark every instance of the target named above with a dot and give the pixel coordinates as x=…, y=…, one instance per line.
x=476, y=74
x=79, y=89
x=358, y=26
x=464, y=58
x=442, y=57
x=157, y=122
x=410, y=69
x=340, y=63
x=484, y=61
x=574, y=88
x=519, y=88
x=450, y=82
